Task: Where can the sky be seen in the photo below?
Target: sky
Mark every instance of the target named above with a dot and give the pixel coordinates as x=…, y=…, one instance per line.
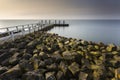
x=59, y=9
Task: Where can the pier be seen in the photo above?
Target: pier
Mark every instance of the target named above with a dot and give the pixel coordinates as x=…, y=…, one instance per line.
x=21, y=30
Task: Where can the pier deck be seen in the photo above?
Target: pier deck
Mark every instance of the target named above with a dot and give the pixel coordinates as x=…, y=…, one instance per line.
x=10, y=33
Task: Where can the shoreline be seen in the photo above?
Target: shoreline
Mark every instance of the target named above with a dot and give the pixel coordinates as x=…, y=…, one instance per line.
x=49, y=56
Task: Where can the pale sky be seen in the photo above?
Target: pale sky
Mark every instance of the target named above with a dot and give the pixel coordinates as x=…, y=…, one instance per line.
x=60, y=9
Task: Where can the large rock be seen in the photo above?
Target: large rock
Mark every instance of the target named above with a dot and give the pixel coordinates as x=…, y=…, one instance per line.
x=26, y=65
x=111, y=47
x=74, y=68
x=32, y=75
x=64, y=67
x=11, y=73
x=3, y=69
x=50, y=76
x=68, y=55
x=14, y=59
x=60, y=75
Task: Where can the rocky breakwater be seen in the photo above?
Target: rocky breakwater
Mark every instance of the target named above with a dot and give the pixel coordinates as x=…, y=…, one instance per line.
x=45, y=56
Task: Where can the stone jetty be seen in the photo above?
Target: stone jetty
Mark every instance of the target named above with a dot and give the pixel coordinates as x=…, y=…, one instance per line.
x=47, y=56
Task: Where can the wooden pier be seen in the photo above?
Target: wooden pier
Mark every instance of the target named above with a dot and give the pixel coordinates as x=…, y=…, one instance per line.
x=43, y=25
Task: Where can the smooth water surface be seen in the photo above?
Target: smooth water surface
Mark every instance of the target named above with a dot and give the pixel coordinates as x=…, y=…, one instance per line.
x=106, y=31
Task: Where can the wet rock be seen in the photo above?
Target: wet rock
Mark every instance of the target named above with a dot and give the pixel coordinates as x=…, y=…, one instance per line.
x=52, y=67
x=82, y=76
x=11, y=73
x=43, y=55
x=111, y=47
x=25, y=65
x=26, y=56
x=48, y=61
x=31, y=44
x=50, y=76
x=57, y=57
x=42, y=64
x=74, y=68
x=3, y=69
x=68, y=55
x=60, y=75
x=4, y=56
x=64, y=68
x=32, y=75
x=14, y=59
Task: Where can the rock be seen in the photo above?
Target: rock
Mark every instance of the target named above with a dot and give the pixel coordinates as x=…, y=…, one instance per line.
x=52, y=67
x=60, y=75
x=31, y=44
x=25, y=65
x=5, y=62
x=11, y=73
x=4, y=56
x=42, y=64
x=97, y=53
x=38, y=47
x=50, y=76
x=82, y=76
x=74, y=68
x=68, y=55
x=57, y=57
x=84, y=42
x=3, y=69
x=26, y=56
x=32, y=75
x=14, y=59
x=36, y=64
x=48, y=61
x=64, y=67
x=111, y=47
x=43, y=55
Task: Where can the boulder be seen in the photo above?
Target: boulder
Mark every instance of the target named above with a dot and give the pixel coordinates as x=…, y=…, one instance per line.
x=68, y=55
x=60, y=75
x=3, y=69
x=14, y=59
x=11, y=73
x=111, y=47
x=50, y=76
x=26, y=65
x=52, y=67
x=74, y=68
x=82, y=76
x=32, y=75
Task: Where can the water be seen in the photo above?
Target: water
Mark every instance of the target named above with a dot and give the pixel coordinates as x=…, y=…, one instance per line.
x=106, y=31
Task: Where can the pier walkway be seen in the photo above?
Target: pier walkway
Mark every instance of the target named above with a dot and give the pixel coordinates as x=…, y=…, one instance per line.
x=10, y=33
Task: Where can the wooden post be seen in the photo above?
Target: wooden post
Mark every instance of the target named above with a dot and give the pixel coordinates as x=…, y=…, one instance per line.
x=23, y=30
x=8, y=31
x=63, y=21
x=12, y=35
x=17, y=28
x=45, y=21
x=33, y=27
x=49, y=21
x=55, y=22
x=59, y=21
x=29, y=28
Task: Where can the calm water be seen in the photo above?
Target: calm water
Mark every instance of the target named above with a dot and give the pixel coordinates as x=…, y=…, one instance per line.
x=106, y=31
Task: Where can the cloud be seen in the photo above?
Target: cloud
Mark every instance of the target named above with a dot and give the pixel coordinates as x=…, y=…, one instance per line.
x=106, y=9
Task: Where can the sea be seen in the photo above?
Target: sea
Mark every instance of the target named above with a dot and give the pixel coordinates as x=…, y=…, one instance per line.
x=106, y=31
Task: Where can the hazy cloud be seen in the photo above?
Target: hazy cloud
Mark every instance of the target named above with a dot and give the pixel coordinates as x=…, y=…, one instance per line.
x=81, y=9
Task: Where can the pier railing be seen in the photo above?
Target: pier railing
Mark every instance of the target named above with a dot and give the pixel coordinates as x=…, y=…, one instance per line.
x=43, y=25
